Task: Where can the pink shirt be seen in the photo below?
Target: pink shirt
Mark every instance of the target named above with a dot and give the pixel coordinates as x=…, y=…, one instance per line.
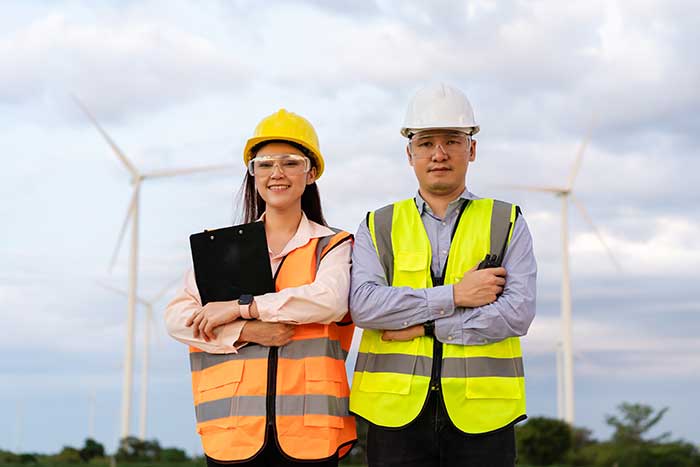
x=324, y=301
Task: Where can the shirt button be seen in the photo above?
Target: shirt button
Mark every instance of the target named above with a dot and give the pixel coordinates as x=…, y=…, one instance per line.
x=444, y=252
x=442, y=312
x=405, y=323
x=449, y=338
x=444, y=223
x=483, y=341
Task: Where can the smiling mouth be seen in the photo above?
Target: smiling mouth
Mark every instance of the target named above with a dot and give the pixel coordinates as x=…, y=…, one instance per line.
x=277, y=187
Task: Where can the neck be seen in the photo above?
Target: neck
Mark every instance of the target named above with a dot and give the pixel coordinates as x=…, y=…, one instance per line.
x=282, y=221
x=438, y=202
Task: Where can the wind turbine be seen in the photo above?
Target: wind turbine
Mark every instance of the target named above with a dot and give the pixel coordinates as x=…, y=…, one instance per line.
x=145, y=362
x=565, y=194
x=132, y=215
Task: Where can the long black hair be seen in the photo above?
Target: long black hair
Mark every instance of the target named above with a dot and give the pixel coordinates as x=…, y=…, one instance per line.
x=254, y=205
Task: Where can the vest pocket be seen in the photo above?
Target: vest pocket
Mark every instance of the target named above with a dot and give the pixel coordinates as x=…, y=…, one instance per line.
x=325, y=395
x=217, y=390
x=493, y=388
x=390, y=372
x=412, y=266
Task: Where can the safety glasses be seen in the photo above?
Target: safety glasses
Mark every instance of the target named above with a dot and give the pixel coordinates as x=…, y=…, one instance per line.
x=289, y=164
x=453, y=143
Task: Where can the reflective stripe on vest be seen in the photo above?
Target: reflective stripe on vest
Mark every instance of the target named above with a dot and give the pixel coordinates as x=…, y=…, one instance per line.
x=312, y=419
x=482, y=385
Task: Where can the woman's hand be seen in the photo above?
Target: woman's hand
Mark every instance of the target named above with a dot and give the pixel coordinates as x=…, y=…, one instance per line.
x=211, y=316
x=404, y=334
x=267, y=334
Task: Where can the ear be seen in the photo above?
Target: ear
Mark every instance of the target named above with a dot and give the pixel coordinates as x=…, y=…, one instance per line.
x=472, y=154
x=311, y=176
x=408, y=154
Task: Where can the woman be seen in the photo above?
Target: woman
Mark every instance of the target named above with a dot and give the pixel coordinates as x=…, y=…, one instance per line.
x=268, y=375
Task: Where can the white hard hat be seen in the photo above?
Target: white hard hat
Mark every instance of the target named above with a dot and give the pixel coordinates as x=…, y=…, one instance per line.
x=439, y=106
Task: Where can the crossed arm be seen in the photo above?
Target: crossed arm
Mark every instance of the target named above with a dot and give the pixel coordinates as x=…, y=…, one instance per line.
x=218, y=328
x=469, y=312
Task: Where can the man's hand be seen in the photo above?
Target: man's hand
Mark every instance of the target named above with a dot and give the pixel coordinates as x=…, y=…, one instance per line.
x=211, y=316
x=479, y=288
x=267, y=334
x=404, y=334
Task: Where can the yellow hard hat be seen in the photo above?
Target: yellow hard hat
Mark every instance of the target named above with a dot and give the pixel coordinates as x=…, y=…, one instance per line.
x=286, y=126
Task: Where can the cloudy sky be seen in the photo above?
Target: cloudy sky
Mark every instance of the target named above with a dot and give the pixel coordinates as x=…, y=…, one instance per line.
x=180, y=84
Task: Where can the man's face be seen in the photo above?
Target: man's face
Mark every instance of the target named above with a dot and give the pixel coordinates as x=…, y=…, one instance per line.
x=440, y=159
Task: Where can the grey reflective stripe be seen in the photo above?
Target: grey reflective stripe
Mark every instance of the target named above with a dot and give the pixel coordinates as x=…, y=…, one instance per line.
x=249, y=406
x=318, y=347
x=202, y=360
x=382, y=233
x=482, y=366
x=255, y=406
x=500, y=222
x=312, y=404
x=451, y=367
x=322, y=243
x=394, y=363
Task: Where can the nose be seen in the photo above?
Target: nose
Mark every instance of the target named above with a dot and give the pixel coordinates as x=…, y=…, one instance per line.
x=277, y=171
x=440, y=154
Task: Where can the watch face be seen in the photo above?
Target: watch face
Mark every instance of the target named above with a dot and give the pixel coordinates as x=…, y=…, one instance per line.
x=245, y=299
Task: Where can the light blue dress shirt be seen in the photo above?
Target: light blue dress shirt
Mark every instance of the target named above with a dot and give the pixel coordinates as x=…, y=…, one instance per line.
x=376, y=305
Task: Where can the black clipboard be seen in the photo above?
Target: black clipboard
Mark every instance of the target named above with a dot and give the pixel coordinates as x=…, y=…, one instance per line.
x=231, y=262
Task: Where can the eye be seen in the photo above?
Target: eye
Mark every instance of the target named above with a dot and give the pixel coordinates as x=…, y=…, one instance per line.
x=425, y=144
x=291, y=163
x=453, y=142
x=264, y=164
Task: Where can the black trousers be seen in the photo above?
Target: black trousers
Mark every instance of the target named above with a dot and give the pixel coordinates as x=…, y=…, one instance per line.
x=272, y=457
x=431, y=440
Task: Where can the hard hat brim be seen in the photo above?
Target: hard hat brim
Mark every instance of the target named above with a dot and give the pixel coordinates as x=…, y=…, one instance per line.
x=471, y=130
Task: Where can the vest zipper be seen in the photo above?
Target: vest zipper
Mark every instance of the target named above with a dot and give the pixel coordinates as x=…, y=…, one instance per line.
x=271, y=390
x=437, y=365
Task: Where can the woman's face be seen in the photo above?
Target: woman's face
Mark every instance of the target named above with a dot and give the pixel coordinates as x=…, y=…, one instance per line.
x=278, y=189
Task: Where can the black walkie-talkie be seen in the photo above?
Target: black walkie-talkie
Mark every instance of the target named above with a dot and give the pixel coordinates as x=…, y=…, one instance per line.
x=495, y=261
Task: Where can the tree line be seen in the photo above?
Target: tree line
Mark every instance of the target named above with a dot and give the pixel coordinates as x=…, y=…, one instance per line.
x=541, y=442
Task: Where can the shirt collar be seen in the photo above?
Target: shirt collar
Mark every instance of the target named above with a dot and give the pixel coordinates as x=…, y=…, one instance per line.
x=306, y=231
x=423, y=206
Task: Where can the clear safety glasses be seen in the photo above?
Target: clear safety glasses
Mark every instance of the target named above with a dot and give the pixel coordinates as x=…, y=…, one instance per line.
x=452, y=143
x=289, y=164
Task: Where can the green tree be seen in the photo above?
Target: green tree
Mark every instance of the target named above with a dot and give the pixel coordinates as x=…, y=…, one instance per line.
x=173, y=455
x=133, y=449
x=91, y=449
x=68, y=455
x=634, y=422
x=543, y=441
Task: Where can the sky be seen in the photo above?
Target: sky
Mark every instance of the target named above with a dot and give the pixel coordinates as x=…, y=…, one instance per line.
x=183, y=84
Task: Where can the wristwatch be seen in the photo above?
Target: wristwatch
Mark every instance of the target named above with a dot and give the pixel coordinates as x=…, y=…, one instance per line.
x=429, y=328
x=244, y=302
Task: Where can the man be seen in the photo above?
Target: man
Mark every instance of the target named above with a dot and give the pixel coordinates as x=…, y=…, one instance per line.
x=439, y=373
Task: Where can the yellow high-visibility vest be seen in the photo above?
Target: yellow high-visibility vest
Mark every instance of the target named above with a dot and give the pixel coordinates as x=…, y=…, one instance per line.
x=483, y=386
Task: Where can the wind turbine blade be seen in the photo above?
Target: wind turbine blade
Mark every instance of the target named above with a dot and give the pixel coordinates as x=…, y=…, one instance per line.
x=120, y=154
x=169, y=286
x=187, y=171
x=541, y=189
x=127, y=218
x=588, y=219
x=579, y=156
x=119, y=291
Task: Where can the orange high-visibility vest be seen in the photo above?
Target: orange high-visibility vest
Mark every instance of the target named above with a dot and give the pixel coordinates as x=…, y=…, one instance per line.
x=298, y=393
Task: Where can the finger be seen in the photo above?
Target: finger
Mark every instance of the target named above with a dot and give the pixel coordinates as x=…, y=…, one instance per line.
x=202, y=328
x=196, y=323
x=387, y=336
x=190, y=320
x=498, y=271
x=499, y=280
